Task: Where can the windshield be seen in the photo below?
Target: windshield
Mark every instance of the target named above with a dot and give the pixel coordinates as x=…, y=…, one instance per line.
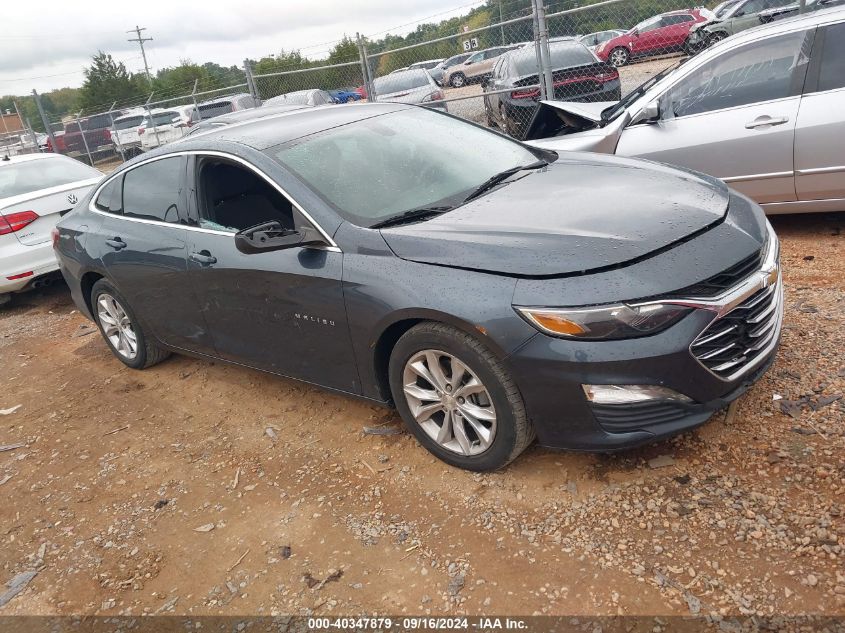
x=32, y=175
x=608, y=114
x=645, y=24
x=163, y=118
x=210, y=110
x=398, y=82
x=128, y=122
x=383, y=166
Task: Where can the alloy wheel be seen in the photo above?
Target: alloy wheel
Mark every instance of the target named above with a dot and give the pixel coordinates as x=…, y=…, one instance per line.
x=449, y=402
x=619, y=57
x=457, y=80
x=117, y=326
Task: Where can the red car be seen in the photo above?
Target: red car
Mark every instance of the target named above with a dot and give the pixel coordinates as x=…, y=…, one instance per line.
x=661, y=34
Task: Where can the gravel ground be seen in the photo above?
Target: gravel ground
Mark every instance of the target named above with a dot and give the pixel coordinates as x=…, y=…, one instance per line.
x=203, y=488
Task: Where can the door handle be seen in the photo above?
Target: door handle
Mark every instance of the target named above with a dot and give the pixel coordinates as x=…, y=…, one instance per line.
x=765, y=120
x=203, y=257
x=116, y=243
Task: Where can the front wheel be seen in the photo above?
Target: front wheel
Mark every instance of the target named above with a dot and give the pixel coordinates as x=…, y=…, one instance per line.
x=121, y=330
x=457, y=80
x=457, y=398
x=619, y=56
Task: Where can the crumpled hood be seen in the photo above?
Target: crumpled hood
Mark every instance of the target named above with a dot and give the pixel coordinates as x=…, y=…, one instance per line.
x=583, y=212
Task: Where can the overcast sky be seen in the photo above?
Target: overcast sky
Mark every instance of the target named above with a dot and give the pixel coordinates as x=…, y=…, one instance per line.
x=45, y=45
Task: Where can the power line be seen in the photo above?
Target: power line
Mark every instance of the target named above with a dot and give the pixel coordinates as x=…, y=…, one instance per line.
x=137, y=30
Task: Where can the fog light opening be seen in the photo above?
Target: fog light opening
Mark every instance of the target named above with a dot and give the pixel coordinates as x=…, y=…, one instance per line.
x=629, y=394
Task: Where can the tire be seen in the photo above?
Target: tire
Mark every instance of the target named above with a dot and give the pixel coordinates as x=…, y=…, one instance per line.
x=484, y=381
x=108, y=303
x=619, y=56
x=5, y=298
x=457, y=80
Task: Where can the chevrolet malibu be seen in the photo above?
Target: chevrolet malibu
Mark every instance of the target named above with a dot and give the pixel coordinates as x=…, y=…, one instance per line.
x=491, y=292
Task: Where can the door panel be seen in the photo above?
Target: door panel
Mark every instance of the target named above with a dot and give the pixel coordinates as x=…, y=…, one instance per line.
x=281, y=311
x=820, y=146
x=151, y=272
x=756, y=161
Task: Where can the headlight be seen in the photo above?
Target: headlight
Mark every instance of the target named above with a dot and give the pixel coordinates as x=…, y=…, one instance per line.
x=607, y=322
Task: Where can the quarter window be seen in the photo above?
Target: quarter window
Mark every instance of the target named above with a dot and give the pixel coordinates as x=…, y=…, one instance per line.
x=762, y=71
x=832, y=71
x=109, y=199
x=154, y=191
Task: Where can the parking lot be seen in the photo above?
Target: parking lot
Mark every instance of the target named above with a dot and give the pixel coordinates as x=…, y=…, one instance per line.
x=198, y=487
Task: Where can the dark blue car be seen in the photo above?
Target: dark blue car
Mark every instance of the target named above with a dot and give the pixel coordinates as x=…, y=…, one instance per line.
x=490, y=291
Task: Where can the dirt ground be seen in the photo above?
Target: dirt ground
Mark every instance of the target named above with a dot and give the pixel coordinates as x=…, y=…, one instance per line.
x=203, y=488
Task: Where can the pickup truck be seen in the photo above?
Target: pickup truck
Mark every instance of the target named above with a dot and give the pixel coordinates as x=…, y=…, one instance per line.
x=97, y=131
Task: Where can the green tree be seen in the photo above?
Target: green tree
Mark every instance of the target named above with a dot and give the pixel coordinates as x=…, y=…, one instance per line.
x=107, y=81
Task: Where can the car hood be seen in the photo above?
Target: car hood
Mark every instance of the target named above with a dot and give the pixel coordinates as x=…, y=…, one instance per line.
x=582, y=213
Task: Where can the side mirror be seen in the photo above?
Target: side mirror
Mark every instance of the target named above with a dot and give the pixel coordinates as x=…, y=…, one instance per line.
x=650, y=113
x=635, y=33
x=272, y=236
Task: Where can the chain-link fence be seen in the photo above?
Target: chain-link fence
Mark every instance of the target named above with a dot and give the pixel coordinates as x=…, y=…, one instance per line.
x=493, y=66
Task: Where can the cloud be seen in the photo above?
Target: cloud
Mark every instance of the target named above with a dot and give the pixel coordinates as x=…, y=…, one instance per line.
x=61, y=40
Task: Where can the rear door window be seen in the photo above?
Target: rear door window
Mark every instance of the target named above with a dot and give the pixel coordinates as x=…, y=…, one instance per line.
x=153, y=191
x=832, y=70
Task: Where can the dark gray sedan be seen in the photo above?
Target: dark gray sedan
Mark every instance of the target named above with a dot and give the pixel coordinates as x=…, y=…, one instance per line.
x=490, y=291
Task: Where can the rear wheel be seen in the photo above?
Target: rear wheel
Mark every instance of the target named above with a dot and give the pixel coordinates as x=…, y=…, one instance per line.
x=121, y=329
x=457, y=80
x=619, y=56
x=457, y=398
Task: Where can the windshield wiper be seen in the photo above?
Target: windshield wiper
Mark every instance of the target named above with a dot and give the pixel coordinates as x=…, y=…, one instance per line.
x=413, y=214
x=494, y=180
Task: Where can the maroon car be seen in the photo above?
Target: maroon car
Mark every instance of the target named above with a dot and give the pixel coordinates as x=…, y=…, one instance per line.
x=659, y=35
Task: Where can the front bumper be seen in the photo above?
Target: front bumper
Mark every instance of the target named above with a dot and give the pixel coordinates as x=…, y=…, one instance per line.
x=551, y=371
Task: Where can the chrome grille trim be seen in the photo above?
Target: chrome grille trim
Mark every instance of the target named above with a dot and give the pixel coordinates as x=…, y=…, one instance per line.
x=747, y=321
x=754, y=339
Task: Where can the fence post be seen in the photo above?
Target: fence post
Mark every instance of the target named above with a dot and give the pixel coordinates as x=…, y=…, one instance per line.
x=23, y=124
x=194, y=97
x=116, y=135
x=47, y=128
x=250, y=82
x=34, y=136
x=541, y=37
x=365, y=69
x=152, y=119
x=84, y=140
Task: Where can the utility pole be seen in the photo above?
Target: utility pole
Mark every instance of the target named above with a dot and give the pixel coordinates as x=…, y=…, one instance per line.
x=137, y=30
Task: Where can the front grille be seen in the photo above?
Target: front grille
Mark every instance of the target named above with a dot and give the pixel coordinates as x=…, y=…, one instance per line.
x=738, y=339
x=723, y=281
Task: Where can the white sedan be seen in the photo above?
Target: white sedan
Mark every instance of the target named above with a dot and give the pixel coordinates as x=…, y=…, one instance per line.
x=35, y=191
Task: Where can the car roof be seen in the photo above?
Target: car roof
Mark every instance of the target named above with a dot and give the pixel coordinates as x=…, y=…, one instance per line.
x=265, y=132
